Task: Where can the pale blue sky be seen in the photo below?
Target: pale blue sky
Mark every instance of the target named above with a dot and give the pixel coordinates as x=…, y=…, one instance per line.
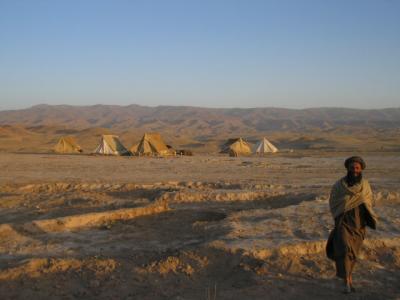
x=203, y=53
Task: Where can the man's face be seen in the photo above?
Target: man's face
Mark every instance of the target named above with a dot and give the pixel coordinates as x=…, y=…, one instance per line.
x=355, y=169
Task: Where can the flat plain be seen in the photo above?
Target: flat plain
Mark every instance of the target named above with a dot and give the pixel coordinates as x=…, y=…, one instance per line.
x=201, y=227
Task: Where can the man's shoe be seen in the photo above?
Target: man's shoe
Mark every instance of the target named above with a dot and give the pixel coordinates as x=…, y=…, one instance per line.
x=347, y=289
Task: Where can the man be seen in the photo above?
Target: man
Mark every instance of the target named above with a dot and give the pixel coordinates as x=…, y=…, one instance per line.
x=350, y=203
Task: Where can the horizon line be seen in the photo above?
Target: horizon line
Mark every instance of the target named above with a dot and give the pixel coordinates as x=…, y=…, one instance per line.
x=200, y=107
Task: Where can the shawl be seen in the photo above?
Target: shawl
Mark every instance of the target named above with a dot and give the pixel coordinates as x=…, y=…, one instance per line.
x=344, y=198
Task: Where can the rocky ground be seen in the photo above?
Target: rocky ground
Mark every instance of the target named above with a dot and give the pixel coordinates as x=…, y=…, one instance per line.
x=202, y=227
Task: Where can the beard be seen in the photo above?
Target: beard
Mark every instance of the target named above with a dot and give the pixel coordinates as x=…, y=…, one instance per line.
x=353, y=179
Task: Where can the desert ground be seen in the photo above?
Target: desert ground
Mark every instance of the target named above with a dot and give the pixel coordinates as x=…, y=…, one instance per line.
x=201, y=227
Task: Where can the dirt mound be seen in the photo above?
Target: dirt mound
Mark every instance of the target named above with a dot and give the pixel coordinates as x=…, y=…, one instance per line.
x=93, y=219
x=35, y=268
x=187, y=263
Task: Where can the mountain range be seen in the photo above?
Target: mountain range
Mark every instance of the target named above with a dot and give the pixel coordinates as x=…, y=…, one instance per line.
x=203, y=129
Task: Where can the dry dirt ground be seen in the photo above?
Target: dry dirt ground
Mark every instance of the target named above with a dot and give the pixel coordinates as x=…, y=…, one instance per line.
x=202, y=227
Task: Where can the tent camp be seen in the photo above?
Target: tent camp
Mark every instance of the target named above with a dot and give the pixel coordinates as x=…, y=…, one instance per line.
x=236, y=147
x=265, y=146
x=67, y=144
x=111, y=145
x=152, y=144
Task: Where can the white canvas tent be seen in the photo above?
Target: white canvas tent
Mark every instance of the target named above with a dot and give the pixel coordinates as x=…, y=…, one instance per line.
x=265, y=146
x=111, y=145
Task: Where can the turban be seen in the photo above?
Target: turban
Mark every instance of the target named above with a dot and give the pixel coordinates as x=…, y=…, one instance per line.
x=354, y=159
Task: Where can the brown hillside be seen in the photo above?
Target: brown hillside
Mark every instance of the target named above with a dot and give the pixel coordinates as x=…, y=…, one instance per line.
x=201, y=129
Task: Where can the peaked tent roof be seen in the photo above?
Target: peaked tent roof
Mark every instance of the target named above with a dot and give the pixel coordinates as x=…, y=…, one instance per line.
x=265, y=146
x=111, y=145
x=152, y=144
x=229, y=142
x=67, y=144
x=236, y=147
x=240, y=147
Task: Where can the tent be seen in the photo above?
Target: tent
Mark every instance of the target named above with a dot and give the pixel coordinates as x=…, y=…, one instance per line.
x=152, y=144
x=236, y=147
x=67, y=144
x=240, y=147
x=111, y=145
x=265, y=146
x=225, y=147
x=134, y=148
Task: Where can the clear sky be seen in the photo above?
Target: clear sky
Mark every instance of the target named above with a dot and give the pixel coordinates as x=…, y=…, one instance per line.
x=215, y=53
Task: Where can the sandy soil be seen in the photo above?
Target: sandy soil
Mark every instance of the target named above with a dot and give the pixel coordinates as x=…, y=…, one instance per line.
x=202, y=227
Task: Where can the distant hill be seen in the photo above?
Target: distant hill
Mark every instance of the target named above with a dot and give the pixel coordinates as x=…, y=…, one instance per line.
x=197, y=128
x=182, y=117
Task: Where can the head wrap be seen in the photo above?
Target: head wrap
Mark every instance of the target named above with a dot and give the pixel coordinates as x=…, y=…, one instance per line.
x=356, y=159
